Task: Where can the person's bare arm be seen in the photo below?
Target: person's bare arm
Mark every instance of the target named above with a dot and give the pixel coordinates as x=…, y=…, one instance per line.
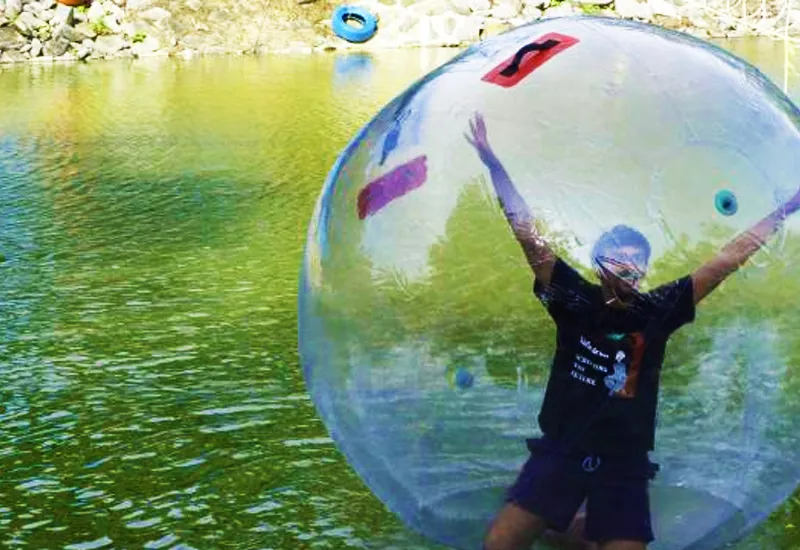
x=736, y=253
x=539, y=255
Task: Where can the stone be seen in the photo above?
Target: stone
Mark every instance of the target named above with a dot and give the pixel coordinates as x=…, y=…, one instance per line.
x=10, y=39
x=460, y=7
x=194, y=5
x=13, y=56
x=55, y=47
x=27, y=23
x=83, y=53
x=13, y=9
x=431, y=7
x=145, y=47
x=113, y=10
x=64, y=15
x=2, y=6
x=468, y=30
x=86, y=29
x=109, y=45
x=47, y=15
x=507, y=9
x=3, y=20
x=562, y=10
x=537, y=4
x=96, y=12
x=479, y=5
x=69, y=33
x=68, y=56
x=633, y=9
x=36, y=48
x=34, y=7
x=664, y=8
x=138, y=5
x=110, y=23
x=133, y=28
x=530, y=13
x=155, y=15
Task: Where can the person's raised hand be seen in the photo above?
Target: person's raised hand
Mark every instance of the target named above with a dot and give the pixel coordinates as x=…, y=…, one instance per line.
x=478, y=139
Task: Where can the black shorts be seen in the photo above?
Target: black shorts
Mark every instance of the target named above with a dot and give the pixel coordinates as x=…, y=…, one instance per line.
x=553, y=485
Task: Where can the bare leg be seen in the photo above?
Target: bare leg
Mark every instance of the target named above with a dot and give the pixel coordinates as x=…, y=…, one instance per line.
x=513, y=529
x=572, y=539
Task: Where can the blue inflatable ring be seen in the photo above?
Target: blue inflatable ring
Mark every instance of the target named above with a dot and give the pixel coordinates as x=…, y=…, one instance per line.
x=343, y=29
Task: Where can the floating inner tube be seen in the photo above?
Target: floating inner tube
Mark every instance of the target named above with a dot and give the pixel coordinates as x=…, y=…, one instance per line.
x=354, y=23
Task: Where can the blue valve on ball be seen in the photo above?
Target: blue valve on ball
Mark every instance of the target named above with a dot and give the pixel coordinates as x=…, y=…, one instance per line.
x=464, y=378
x=726, y=203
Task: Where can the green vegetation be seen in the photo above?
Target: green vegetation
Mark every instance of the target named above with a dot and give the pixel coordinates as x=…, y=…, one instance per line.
x=100, y=28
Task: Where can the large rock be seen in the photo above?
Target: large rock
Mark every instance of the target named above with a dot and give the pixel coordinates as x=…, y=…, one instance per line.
x=633, y=9
x=86, y=29
x=148, y=46
x=507, y=9
x=75, y=34
x=13, y=56
x=85, y=50
x=27, y=24
x=538, y=4
x=480, y=5
x=36, y=8
x=109, y=45
x=10, y=39
x=96, y=12
x=562, y=10
x=138, y=5
x=36, y=48
x=663, y=8
x=155, y=15
x=64, y=15
x=460, y=7
x=13, y=8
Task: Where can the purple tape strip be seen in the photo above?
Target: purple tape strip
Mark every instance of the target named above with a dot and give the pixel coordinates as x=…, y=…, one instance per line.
x=391, y=186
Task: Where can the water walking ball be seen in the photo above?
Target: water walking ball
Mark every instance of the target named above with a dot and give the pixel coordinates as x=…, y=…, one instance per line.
x=410, y=269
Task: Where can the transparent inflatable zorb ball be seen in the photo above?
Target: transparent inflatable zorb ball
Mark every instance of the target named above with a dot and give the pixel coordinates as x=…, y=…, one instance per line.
x=423, y=346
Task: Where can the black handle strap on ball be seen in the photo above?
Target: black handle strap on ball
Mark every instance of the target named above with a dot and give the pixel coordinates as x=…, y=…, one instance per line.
x=513, y=67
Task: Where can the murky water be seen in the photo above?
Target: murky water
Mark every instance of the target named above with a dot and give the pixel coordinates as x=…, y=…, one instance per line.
x=152, y=220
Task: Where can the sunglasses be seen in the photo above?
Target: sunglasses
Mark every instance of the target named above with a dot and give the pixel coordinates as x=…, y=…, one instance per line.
x=628, y=272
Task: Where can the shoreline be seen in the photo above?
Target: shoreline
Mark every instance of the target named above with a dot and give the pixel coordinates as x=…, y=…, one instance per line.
x=44, y=31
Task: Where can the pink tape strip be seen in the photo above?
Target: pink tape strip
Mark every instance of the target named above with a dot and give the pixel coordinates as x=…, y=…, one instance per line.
x=391, y=186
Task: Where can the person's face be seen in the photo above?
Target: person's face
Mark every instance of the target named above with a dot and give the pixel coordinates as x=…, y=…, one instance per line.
x=621, y=271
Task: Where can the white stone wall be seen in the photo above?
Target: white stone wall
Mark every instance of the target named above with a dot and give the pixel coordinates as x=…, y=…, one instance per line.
x=44, y=31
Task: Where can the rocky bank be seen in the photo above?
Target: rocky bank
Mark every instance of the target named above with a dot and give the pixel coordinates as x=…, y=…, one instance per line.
x=45, y=31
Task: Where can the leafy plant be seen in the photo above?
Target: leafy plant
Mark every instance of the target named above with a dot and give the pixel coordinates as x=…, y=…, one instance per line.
x=100, y=28
x=138, y=37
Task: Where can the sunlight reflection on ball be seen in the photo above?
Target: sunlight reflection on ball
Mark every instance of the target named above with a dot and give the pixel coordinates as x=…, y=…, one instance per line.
x=410, y=271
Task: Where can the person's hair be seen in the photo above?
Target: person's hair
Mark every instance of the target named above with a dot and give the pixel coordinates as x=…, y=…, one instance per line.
x=618, y=237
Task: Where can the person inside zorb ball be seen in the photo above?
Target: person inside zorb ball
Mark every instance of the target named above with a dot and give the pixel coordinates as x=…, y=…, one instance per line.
x=588, y=152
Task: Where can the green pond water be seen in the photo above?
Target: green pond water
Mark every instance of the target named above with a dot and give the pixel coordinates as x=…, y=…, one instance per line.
x=152, y=220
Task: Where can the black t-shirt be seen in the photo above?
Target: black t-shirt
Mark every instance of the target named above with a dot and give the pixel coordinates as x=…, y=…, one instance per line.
x=603, y=389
